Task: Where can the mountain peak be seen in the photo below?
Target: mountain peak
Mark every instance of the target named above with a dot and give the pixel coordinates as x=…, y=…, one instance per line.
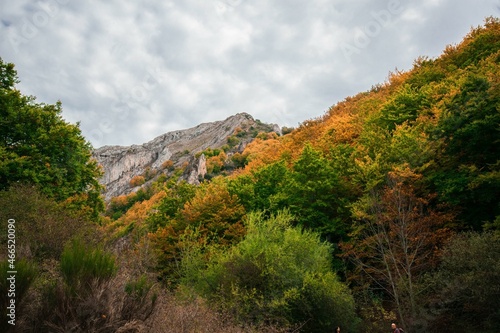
x=122, y=163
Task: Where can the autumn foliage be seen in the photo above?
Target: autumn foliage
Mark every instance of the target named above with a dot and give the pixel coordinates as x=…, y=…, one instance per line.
x=388, y=178
x=383, y=209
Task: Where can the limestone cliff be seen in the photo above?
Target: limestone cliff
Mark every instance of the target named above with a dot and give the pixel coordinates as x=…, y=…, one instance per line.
x=122, y=163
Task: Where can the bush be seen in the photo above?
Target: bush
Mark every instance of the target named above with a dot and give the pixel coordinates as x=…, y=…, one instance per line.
x=232, y=141
x=26, y=274
x=137, y=181
x=82, y=265
x=277, y=274
x=465, y=290
x=286, y=130
x=121, y=204
x=168, y=164
x=239, y=160
x=43, y=225
x=138, y=288
x=141, y=298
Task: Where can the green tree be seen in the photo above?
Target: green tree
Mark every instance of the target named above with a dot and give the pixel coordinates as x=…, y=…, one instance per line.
x=468, y=176
x=403, y=106
x=278, y=273
x=465, y=294
x=38, y=147
x=317, y=197
x=264, y=189
x=177, y=194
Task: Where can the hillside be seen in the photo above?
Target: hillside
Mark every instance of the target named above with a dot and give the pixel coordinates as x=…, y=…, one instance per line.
x=399, y=172
x=440, y=119
x=385, y=209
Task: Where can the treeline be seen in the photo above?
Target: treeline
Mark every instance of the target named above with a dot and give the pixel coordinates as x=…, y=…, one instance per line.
x=384, y=209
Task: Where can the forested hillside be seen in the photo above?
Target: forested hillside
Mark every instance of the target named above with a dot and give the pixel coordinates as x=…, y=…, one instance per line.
x=385, y=209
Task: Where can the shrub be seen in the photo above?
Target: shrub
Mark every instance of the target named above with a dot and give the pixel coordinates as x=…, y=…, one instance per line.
x=137, y=181
x=43, y=225
x=232, y=141
x=168, y=164
x=215, y=164
x=26, y=274
x=141, y=298
x=82, y=265
x=121, y=204
x=149, y=173
x=286, y=130
x=239, y=160
x=466, y=293
x=276, y=274
x=138, y=288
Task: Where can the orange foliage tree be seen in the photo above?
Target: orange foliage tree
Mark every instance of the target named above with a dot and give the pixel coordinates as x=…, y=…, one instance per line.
x=215, y=164
x=137, y=181
x=398, y=239
x=261, y=152
x=212, y=216
x=216, y=212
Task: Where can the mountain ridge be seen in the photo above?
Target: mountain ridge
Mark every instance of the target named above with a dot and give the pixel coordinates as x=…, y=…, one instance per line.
x=121, y=164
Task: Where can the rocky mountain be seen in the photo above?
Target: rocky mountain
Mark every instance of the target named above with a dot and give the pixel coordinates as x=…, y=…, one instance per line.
x=127, y=168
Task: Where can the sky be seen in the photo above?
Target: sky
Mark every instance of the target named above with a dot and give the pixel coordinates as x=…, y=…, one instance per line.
x=129, y=71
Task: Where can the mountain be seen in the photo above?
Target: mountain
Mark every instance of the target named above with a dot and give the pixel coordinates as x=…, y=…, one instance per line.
x=182, y=148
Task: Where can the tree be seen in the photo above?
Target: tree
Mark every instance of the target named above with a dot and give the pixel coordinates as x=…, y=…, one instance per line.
x=216, y=212
x=176, y=196
x=469, y=176
x=263, y=189
x=211, y=215
x=403, y=106
x=38, y=147
x=464, y=293
x=397, y=241
x=317, y=197
x=277, y=273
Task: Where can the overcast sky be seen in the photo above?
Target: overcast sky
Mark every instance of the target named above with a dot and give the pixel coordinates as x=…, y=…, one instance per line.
x=129, y=71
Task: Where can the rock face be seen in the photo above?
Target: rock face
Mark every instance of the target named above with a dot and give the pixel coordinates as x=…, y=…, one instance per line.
x=122, y=163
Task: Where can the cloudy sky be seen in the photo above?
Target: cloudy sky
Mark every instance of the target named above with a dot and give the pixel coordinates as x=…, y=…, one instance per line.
x=129, y=71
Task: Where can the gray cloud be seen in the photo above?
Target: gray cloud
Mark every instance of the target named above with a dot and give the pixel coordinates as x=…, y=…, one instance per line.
x=129, y=71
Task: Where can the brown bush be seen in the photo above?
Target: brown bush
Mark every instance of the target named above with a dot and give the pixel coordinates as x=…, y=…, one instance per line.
x=104, y=306
x=168, y=164
x=42, y=225
x=137, y=181
x=107, y=307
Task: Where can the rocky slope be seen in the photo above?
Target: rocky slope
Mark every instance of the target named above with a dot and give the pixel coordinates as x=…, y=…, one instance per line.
x=149, y=160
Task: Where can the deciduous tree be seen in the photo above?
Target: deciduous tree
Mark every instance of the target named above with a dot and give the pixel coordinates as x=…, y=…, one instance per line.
x=397, y=240
x=38, y=147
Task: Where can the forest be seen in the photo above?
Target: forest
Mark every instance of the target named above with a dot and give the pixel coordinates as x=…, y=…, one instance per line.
x=384, y=209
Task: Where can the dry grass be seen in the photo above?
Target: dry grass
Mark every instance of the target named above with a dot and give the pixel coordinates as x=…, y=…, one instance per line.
x=195, y=316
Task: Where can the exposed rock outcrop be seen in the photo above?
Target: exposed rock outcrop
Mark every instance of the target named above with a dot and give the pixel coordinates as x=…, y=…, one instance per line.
x=198, y=171
x=122, y=163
